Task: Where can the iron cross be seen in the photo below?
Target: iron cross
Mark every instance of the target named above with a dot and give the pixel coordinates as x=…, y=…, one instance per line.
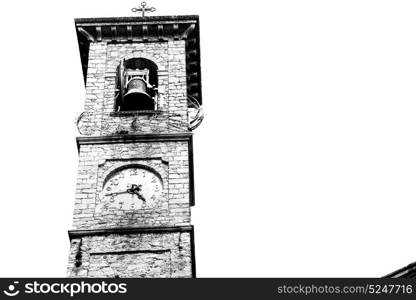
x=143, y=8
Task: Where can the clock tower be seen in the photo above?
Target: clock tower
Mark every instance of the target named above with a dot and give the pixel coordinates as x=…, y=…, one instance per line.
x=135, y=188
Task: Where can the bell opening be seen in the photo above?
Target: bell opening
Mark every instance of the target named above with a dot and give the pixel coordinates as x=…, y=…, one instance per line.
x=137, y=83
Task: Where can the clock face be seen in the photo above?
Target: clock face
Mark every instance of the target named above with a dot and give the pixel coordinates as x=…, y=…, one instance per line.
x=132, y=188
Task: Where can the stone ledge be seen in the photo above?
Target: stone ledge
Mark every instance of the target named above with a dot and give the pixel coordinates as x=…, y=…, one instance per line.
x=128, y=230
x=132, y=138
x=134, y=113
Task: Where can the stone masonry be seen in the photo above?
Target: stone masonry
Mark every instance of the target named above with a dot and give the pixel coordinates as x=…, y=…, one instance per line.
x=112, y=239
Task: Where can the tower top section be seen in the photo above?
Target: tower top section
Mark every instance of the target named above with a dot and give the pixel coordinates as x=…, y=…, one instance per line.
x=146, y=29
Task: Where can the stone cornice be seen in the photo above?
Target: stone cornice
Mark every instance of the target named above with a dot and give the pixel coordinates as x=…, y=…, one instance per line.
x=137, y=29
x=146, y=19
x=79, y=233
x=133, y=138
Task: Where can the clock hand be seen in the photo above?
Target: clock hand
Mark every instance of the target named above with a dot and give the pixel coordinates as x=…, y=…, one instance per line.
x=116, y=193
x=140, y=196
x=135, y=190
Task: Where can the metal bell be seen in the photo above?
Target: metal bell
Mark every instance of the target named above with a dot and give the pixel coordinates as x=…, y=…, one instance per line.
x=136, y=97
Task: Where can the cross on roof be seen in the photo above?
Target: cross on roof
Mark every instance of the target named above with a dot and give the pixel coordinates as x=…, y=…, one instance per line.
x=143, y=8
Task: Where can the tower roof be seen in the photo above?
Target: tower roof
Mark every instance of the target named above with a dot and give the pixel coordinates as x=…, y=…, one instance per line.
x=145, y=29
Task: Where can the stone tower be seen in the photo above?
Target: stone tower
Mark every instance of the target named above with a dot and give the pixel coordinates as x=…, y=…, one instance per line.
x=135, y=186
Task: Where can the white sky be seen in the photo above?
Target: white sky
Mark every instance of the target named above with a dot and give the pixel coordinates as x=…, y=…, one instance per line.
x=304, y=166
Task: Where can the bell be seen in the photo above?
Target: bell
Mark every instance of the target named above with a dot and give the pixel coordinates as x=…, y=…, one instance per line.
x=136, y=97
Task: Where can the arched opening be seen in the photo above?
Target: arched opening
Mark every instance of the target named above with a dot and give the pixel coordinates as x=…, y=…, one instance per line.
x=136, y=85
